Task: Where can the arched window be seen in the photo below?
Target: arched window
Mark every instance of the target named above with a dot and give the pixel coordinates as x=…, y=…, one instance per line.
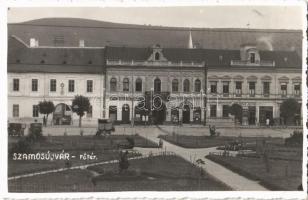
x=186, y=85
x=157, y=56
x=157, y=85
x=175, y=85
x=113, y=85
x=197, y=85
x=125, y=85
x=138, y=86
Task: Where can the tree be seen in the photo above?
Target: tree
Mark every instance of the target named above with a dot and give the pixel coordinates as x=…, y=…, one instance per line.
x=288, y=110
x=236, y=111
x=80, y=105
x=45, y=108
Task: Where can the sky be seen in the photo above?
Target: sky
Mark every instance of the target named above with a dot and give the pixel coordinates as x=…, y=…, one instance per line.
x=265, y=17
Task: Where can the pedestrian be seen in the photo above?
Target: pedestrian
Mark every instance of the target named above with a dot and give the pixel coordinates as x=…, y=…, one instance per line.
x=267, y=122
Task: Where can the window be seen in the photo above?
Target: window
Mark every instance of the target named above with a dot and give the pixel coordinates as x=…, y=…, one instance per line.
x=89, y=85
x=197, y=85
x=297, y=89
x=225, y=111
x=16, y=84
x=53, y=85
x=113, y=84
x=125, y=85
x=252, y=57
x=225, y=87
x=15, y=110
x=186, y=85
x=71, y=85
x=266, y=89
x=34, y=85
x=252, y=89
x=213, y=85
x=157, y=85
x=89, y=113
x=175, y=85
x=35, y=111
x=213, y=110
x=238, y=88
x=157, y=56
x=138, y=86
x=283, y=88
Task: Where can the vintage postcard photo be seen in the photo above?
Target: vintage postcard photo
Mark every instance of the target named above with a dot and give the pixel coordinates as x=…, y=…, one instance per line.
x=191, y=98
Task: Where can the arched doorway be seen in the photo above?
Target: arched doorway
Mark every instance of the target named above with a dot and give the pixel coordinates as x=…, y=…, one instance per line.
x=113, y=113
x=125, y=114
x=175, y=115
x=158, y=111
x=197, y=115
x=186, y=114
x=62, y=114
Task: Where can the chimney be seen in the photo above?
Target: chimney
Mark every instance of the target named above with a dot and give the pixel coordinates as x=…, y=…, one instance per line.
x=81, y=43
x=34, y=42
x=190, y=41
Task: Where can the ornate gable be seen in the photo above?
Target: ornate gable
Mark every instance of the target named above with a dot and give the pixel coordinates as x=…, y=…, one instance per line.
x=157, y=55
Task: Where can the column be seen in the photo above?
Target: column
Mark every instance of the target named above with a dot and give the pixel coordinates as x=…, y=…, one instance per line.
x=245, y=116
x=119, y=113
x=168, y=115
x=257, y=115
x=180, y=115
x=191, y=115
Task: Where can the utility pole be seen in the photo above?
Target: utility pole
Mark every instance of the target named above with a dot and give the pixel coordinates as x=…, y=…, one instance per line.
x=205, y=93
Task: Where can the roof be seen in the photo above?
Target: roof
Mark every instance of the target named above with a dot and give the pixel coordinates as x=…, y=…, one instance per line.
x=212, y=57
x=99, y=34
x=22, y=58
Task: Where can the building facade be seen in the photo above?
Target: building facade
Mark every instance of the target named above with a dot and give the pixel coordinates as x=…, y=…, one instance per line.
x=53, y=74
x=155, y=84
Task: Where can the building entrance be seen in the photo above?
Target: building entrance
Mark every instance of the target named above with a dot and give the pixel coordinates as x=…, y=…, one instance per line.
x=62, y=114
x=125, y=114
x=265, y=112
x=113, y=113
x=186, y=114
x=252, y=115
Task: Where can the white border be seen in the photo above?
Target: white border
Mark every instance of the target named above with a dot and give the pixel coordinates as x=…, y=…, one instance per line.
x=137, y=3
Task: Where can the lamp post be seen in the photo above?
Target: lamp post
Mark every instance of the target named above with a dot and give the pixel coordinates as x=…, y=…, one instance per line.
x=205, y=93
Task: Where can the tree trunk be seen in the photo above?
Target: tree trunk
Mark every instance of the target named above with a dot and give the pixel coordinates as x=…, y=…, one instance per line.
x=46, y=120
x=79, y=121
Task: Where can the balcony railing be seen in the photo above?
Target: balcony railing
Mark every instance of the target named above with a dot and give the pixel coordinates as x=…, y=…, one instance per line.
x=153, y=63
x=265, y=63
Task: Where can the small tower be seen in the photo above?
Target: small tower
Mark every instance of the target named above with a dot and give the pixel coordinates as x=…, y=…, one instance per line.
x=190, y=42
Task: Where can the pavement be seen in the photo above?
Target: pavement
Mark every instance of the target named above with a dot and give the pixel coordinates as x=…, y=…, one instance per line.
x=182, y=130
x=233, y=180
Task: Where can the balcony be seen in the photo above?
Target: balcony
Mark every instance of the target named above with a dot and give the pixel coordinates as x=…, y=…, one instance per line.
x=262, y=63
x=153, y=63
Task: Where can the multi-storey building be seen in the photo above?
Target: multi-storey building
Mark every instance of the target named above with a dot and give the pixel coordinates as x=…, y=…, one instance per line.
x=258, y=81
x=169, y=84
x=52, y=74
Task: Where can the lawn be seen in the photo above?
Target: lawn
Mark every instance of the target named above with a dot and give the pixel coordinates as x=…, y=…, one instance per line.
x=282, y=175
x=161, y=173
x=105, y=148
x=187, y=141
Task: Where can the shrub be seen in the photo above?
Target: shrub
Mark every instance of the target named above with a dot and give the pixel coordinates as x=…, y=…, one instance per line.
x=22, y=146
